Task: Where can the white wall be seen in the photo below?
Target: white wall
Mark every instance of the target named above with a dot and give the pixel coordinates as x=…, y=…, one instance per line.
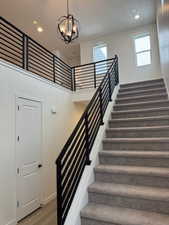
x=56, y=129
x=73, y=61
x=122, y=44
x=60, y=55
x=163, y=35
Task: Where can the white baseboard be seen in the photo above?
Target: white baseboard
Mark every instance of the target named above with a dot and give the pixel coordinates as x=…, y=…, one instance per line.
x=49, y=198
x=165, y=81
x=12, y=222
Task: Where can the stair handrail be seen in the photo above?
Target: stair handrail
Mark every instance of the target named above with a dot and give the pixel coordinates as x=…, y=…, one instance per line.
x=75, y=155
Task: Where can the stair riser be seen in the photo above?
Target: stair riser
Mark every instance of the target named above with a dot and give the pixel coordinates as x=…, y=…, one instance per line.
x=129, y=202
x=142, y=83
x=139, y=94
x=133, y=161
x=143, y=99
x=147, y=123
x=85, y=221
x=142, y=88
x=151, y=146
x=137, y=133
x=151, y=181
x=141, y=106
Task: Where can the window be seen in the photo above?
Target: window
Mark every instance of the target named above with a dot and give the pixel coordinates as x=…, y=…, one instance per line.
x=99, y=54
x=143, y=50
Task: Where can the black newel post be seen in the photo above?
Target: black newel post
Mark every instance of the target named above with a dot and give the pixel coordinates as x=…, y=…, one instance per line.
x=117, y=69
x=23, y=51
x=73, y=80
x=54, y=76
x=59, y=192
x=110, y=91
x=94, y=75
x=101, y=106
x=27, y=52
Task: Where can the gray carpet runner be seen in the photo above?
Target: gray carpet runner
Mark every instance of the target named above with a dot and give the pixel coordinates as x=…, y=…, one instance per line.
x=132, y=179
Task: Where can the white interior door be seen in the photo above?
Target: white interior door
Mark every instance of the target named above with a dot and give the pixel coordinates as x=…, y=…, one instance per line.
x=28, y=156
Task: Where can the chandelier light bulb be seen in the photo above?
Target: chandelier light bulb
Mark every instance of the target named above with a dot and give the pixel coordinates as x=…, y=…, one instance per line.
x=74, y=28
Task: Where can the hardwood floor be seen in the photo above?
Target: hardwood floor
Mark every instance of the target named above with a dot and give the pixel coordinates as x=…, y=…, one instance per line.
x=43, y=216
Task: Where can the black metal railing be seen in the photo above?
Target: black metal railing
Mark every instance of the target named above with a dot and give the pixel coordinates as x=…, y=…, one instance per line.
x=76, y=152
x=12, y=47
x=90, y=75
x=18, y=48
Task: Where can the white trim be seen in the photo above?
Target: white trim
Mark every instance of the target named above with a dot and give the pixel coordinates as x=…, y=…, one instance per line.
x=142, y=35
x=49, y=199
x=166, y=86
x=25, y=97
x=100, y=45
x=12, y=222
x=136, y=53
x=32, y=75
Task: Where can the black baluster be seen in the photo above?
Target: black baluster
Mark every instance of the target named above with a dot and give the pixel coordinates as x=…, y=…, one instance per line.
x=110, y=91
x=59, y=192
x=94, y=75
x=54, y=75
x=88, y=161
x=101, y=106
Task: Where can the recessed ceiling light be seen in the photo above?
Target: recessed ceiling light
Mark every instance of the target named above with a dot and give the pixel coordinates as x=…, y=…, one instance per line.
x=40, y=29
x=137, y=17
x=35, y=22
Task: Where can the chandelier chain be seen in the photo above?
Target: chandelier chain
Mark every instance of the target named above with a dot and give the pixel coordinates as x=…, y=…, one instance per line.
x=67, y=7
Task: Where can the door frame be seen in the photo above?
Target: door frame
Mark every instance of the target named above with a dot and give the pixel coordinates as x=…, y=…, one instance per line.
x=25, y=97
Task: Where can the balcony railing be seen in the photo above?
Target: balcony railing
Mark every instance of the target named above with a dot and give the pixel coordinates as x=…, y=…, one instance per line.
x=90, y=75
x=18, y=48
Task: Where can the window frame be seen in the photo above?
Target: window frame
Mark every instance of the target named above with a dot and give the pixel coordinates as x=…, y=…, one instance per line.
x=137, y=53
x=93, y=53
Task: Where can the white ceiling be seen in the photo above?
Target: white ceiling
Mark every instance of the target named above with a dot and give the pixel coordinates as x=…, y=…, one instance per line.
x=97, y=17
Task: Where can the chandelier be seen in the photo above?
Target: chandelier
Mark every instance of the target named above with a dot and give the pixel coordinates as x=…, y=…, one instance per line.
x=68, y=27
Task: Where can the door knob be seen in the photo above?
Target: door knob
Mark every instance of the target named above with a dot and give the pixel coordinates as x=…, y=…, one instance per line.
x=40, y=165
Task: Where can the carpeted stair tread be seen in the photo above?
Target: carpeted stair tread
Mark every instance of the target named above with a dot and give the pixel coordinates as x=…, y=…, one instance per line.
x=131, y=191
x=138, y=128
x=140, y=118
x=140, y=97
x=137, y=170
x=145, y=87
x=162, y=140
x=143, y=103
x=142, y=82
x=141, y=110
x=142, y=92
x=122, y=216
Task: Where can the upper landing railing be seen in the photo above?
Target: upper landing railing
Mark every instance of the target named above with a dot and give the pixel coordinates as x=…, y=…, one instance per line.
x=18, y=48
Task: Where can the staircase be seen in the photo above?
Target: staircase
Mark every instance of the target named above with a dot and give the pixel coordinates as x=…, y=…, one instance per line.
x=132, y=180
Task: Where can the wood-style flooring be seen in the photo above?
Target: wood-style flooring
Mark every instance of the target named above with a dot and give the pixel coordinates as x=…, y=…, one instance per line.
x=43, y=216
